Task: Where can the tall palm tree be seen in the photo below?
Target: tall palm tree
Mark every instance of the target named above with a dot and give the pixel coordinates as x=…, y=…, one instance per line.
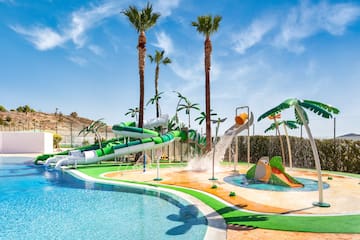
x=187, y=106
x=287, y=124
x=142, y=20
x=321, y=109
x=158, y=59
x=207, y=25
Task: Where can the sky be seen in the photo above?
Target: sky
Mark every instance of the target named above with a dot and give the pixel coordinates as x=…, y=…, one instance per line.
x=80, y=56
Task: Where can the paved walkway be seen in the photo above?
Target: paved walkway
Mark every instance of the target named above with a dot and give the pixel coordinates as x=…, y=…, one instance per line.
x=343, y=195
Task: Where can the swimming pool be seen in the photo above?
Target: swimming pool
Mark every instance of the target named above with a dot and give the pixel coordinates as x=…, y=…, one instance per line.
x=240, y=180
x=39, y=204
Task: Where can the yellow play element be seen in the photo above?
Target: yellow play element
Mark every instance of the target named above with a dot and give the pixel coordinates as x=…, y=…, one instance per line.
x=241, y=118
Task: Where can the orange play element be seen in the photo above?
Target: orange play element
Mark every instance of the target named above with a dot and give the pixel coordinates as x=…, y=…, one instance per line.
x=277, y=116
x=240, y=119
x=267, y=175
x=286, y=180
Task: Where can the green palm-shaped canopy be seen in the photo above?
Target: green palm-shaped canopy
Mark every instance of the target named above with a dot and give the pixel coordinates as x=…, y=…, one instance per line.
x=321, y=109
x=290, y=124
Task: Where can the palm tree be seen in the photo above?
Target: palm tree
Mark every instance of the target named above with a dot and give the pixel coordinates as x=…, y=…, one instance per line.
x=207, y=25
x=158, y=59
x=142, y=20
x=274, y=117
x=187, y=106
x=321, y=109
x=93, y=128
x=287, y=124
x=133, y=112
x=202, y=116
x=181, y=98
x=155, y=100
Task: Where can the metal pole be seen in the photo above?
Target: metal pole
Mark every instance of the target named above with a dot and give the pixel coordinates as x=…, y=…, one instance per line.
x=334, y=129
x=248, y=139
x=71, y=135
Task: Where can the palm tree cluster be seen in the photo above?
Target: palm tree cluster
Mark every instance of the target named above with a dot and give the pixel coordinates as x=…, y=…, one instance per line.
x=144, y=19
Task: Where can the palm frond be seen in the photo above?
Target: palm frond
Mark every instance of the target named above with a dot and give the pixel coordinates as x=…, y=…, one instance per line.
x=270, y=128
x=291, y=124
x=274, y=111
x=327, y=107
x=298, y=118
x=316, y=109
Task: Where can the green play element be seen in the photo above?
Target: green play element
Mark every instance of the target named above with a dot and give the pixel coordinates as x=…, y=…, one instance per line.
x=110, y=146
x=276, y=162
x=318, y=224
x=276, y=165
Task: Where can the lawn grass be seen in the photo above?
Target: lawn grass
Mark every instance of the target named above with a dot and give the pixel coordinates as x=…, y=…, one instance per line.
x=318, y=224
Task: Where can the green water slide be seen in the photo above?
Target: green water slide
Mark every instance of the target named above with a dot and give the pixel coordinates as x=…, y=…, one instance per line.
x=138, y=139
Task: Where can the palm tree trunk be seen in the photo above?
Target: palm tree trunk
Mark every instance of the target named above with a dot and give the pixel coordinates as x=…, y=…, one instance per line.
x=281, y=142
x=208, y=49
x=315, y=152
x=288, y=145
x=142, y=53
x=157, y=90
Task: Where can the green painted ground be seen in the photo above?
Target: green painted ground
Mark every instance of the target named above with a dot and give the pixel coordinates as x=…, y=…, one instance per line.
x=319, y=224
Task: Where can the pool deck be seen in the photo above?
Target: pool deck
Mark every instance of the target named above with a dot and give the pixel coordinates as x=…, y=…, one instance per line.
x=343, y=195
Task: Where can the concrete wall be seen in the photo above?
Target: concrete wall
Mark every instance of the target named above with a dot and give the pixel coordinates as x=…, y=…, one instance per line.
x=26, y=142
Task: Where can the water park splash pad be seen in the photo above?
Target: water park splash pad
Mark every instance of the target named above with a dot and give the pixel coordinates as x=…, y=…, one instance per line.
x=271, y=175
x=204, y=163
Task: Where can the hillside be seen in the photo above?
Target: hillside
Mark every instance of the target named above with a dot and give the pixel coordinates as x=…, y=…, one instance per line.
x=20, y=121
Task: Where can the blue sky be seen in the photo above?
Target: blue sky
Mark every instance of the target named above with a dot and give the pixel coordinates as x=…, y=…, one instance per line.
x=81, y=56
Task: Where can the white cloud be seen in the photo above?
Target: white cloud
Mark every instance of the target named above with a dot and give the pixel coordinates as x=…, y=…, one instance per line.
x=78, y=60
x=164, y=42
x=253, y=34
x=307, y=20
x=43, y=38
x=96, y=50
x=165, y=7
x=81, y=21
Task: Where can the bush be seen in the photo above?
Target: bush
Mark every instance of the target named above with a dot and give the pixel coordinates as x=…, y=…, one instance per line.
x=56, y=140
x=341, y=155
x=2, y=109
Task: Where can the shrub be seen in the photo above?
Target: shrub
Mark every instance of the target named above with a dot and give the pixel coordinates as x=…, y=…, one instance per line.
x=2, y=109
x=341, y=155
x=56, y=140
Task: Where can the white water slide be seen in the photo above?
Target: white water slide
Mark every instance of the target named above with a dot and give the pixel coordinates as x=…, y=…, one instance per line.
x=148, y=140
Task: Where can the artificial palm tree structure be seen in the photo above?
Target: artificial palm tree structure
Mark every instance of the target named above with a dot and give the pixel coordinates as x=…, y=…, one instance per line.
x=207, y=25
x=187, y=106
x=182, y=98
x=133, y=112
x=287, y=124
x=142, y=20
x=276, y=124
x=158, y=58
x=93, y=127
x=155, y=100
x=321, y=109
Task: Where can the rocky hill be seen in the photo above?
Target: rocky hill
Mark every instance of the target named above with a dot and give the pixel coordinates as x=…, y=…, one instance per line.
x=25, y=121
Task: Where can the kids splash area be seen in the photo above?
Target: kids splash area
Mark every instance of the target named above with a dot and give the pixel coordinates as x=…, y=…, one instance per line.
x=147, y=182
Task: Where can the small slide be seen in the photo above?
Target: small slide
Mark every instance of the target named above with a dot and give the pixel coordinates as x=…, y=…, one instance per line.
x=287, y=181
x=237, y=128
x=145, y=140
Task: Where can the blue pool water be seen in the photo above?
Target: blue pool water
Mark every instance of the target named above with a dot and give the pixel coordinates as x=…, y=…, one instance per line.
x=240, y=180
x=40, y=204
